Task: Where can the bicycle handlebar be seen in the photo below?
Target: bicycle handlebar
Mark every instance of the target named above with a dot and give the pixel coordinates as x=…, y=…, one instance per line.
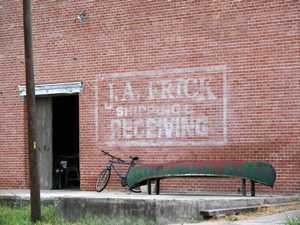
x=134, y=157
x=114, y=157
x=106, y=153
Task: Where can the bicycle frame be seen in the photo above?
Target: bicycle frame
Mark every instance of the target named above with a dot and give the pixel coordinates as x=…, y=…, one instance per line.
x=115, y=160
x=104, y=175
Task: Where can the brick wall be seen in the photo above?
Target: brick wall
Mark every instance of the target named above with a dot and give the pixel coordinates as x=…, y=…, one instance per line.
x=257, y=42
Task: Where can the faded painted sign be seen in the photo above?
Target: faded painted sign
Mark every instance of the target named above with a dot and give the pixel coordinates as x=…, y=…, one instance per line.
x=185, y=106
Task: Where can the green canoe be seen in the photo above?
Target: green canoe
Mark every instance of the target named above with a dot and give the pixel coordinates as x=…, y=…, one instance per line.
x=257, y=171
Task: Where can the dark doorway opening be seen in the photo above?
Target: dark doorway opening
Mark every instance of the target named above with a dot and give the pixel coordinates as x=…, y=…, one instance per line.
x=65, y=125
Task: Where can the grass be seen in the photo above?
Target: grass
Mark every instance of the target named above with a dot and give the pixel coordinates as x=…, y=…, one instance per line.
x=20, y=216
x=293, y=221
x=232, y=218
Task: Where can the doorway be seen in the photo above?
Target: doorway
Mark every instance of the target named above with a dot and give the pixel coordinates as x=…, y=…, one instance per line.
x=66, y=141
x=58, y=135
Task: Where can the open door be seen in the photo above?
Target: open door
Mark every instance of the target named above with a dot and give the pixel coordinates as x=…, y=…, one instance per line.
x=58, y=141
x=44, y=137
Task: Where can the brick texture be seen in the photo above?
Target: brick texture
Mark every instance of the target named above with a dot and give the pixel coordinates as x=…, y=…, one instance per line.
x=257, y=41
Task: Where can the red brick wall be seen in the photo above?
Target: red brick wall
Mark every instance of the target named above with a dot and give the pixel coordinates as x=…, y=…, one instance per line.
x=257, y=42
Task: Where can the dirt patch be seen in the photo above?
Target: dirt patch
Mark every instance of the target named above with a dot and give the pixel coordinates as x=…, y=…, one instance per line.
x=261, y=211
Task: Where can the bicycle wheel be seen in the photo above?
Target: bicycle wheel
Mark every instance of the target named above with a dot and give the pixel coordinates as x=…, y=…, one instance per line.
x=102, y=180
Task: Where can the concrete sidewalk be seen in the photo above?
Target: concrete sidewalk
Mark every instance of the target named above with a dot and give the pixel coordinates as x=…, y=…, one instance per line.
x=215, y=199
x=162, y=209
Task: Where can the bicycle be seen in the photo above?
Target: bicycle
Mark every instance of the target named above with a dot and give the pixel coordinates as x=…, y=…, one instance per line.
x=104, y=176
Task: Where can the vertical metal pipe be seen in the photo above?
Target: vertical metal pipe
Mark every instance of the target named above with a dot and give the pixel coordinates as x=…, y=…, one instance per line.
x=244, y=191
x=252, y=188
x=149, y=187
x=31, y=115
x=157, y=186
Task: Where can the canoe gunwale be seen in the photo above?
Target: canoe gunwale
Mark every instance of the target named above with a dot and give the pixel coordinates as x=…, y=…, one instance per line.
x=144, y=181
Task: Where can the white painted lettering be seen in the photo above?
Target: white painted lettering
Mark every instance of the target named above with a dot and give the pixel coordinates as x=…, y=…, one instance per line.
x=164, y=108
x=210, y=94
x=169, y=126
x=128, y=92
x=151, y=129
x=187, y=127
x=121, y=111
x=139, y=128
x=166, y=89
x=111, y=95
x=127, y=129
x=201, y=126
x=181, y=88
x=158, y=128
x=116, y=129
x=194, y=84
x=152, y=91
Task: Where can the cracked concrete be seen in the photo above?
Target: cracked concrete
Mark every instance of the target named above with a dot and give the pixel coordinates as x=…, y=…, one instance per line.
x=160, y=209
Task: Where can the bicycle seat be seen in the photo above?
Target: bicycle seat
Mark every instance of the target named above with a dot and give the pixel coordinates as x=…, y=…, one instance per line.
x=134, y=157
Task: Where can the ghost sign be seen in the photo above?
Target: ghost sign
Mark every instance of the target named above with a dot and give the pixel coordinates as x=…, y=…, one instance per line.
x=172, y=107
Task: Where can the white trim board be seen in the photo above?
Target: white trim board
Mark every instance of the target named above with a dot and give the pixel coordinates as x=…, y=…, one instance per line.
x=52, y=89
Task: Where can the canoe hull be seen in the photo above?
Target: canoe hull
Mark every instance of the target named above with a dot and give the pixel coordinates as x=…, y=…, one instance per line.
x=258, y=171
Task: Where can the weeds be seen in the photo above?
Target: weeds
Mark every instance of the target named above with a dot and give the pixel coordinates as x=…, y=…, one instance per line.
x=20, y=216
x=293, y=221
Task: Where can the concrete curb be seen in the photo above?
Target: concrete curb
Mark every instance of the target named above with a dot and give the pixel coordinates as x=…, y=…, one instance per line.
x=161, y=209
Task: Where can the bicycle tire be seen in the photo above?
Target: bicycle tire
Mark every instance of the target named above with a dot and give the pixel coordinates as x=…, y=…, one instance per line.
x=102, y=180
